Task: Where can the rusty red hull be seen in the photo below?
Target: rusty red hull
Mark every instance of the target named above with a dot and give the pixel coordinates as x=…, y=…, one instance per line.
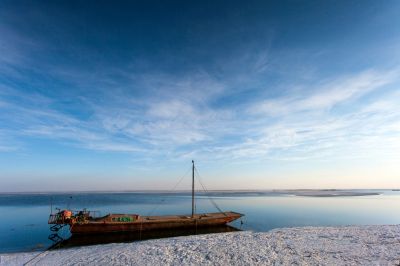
x=145, y=223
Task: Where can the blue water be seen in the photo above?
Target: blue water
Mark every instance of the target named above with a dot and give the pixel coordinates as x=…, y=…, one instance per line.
x=24, y=216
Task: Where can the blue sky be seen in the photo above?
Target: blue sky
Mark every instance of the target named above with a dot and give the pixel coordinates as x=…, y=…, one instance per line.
x=98, y=95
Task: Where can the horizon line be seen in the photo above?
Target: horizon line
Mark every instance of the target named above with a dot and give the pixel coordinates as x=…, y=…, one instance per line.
x=180, y=191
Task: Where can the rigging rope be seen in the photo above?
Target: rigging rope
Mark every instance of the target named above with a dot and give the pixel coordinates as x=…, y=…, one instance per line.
x=173, y=188
x=209, y=197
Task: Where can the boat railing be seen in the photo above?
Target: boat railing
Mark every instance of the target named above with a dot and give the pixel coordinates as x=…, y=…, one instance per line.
x=92, y=214
x=59, y=218
x=54, y=218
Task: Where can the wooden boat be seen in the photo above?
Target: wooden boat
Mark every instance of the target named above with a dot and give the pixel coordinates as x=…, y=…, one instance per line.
x=85, y=222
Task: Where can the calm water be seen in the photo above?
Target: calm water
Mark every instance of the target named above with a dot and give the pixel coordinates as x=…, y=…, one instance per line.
x=24, y=216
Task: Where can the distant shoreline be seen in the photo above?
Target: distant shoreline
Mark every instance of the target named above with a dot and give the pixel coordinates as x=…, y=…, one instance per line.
x=297, y=192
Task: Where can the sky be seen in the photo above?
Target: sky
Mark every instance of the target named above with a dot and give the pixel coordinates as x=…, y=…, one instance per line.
x=122, y=95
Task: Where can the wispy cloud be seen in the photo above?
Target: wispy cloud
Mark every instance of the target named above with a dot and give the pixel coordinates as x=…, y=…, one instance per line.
x=181, y=123
x=122, y=109
x=328, y=94
x=306, y=126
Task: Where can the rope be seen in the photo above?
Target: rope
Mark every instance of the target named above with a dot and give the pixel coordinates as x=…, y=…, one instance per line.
x=205, y=189
x=41, y=253
x=51, y=247
x=173, y=188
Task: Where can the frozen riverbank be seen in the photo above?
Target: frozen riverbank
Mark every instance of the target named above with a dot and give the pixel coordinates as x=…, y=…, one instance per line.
x=363, y=245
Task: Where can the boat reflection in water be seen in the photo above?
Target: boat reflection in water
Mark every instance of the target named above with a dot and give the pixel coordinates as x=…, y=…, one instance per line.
x=94, y=239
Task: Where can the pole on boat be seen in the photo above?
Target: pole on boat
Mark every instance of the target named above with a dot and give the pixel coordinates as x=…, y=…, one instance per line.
x=192, y=188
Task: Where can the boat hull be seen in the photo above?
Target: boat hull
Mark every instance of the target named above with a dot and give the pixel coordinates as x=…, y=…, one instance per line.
x=155, y=223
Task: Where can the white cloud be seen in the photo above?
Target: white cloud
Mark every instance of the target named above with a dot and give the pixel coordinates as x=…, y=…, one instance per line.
x=357, y=132
x=176, y=116
x=327, y=95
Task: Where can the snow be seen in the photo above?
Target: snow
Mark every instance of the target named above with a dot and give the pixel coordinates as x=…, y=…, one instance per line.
x=350, y=245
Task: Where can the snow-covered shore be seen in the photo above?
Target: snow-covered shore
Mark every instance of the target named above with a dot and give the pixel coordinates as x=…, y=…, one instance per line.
x=352, y=245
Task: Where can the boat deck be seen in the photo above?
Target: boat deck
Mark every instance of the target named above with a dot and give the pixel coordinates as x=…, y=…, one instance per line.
x=167, y=218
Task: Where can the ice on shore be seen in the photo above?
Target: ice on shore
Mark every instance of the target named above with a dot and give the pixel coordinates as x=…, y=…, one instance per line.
x=352, y=245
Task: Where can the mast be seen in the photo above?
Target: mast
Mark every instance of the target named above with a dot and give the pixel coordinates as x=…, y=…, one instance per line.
x=192, y=188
